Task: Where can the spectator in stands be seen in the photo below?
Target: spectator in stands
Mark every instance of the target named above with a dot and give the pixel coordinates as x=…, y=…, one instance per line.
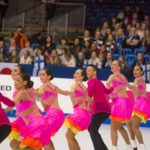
x=113, y=22
x=141, y=31
x=35, y=52
x=103, y=52
x=86, y=36
x=104, y=29
x=101, y=60
x=108, y=31
x=120, y=37
x=134, y=19
x=104, y=34
x=27, y=48
x=117, y=27
x=94, y=47
x=1, y=57
x=124, y=63
x=94, y=60
x=20, y=37
x=13, y=57
x=146, y=41
x=49, y=45
x=86, y=49
x=125, y=23
x=76, y=48
x=128, y=30
x=105, y=25
x=3, y=51
x=133, y=40
x=68, y=59
x=147, y=20
x=39, y=61
x=98, y=39
x=12, y=46
x=54, y=59
x=110, y=44
x=80, y=60
x=140, y=60
x=107, y=64
x=125, y=68
x=62, y=45
x=26, y=58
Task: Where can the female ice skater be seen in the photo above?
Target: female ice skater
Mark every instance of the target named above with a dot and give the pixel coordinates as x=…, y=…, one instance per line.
x=122, y=106
x=141, y=110
x=5, y=127
x=100, y=107
x=15, y=137
x=36, y=133
x=80, y=119
x=48, y=93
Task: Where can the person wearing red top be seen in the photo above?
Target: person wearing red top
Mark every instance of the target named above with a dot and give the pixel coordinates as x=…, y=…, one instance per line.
x=99, y=105
x=5, y=127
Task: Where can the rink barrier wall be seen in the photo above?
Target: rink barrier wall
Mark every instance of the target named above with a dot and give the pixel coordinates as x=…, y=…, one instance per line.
x=7, y=88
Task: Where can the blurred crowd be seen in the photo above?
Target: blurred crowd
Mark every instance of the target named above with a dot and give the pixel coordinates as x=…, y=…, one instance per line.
x=125, y=37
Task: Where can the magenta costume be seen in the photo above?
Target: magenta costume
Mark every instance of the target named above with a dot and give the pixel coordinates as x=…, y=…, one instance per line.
x=100, y=109
x=34, y=128
x=5, y=127
x=142, y=105
x=122, y=107
x=80, y=119
x=3, y=117
x=54, y=116
x=97, y=90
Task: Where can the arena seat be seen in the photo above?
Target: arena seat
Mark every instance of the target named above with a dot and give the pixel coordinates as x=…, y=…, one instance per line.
x=130, y=58
x=147, y=59
x=125, y=51
x=137, y=50
x=116, y=56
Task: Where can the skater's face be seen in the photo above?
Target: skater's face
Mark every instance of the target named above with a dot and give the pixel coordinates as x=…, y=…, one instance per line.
x=78, y=75
x=115, y=66
x=137, y=72
x=19, y=83
x=15, y=72
x=90, y=72
x=44, y=77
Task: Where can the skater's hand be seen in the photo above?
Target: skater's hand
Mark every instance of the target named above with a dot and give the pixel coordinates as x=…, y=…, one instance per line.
x=8, y=109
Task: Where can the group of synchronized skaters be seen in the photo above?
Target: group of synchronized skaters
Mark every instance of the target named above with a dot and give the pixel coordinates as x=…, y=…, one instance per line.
x=33, y=131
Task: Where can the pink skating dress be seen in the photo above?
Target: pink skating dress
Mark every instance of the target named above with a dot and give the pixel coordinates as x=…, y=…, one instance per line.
x=54, y=116
x=36, y=131
x=80, y=119
x=18, y=127
x=142, y=105
x=121, y=109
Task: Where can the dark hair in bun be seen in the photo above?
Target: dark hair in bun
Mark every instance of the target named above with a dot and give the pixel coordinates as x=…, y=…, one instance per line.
x=26, y=77
x=141, y=68
x=22, y=70
x=49, y=73
x=83, y=73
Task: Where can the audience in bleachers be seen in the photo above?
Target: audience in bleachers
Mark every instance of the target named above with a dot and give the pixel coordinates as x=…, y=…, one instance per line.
x=124, y=35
